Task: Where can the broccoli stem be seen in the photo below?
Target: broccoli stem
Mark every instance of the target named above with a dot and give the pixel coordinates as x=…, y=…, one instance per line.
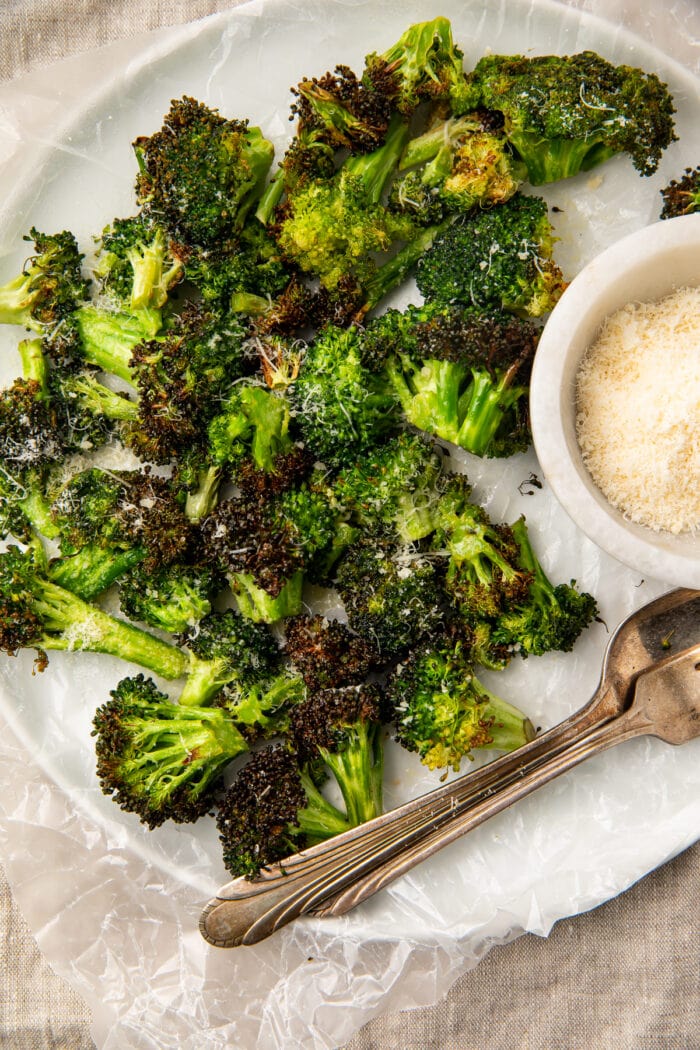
x=37, y=510
x=319, y=820
x=95, y=397
x=488, y=402
x=16, y=301
x=507, y=726
x=358, y=768
x=376, y=168
x=34, y=366
x=93, y=569
x=396, y=269
x=72, y=624
x=201, y=502
x=541, y=589
x=431, y=143
x=272, y=195
x=108, y=340
x=256, y=604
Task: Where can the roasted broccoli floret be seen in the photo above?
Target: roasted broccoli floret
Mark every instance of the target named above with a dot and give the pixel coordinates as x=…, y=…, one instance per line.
x=394, y=487
x=230, y=274
x=201, y=174
x=44, y=296
x=181, y=380
x=443, y=712
x=341, y=408
x=484, y=573
x=548, y=617
x=343, y=727
x=333, y=228
x=500, y=257
x=274, y=808
x=137, y=269
x=228, y=650
x=326, y=653
x=36, y=613
x=264, y=547
x=681, y=196
x=456, y=165
x=158, y=759
x=251, y=426
x=172, y=597
x=392, y=595
x=461, y=374
x=424, y=65
x=565, y=114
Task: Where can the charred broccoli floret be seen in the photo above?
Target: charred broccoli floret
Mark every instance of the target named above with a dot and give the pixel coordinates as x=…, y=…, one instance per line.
x=201, y=174
x=227, y=651
x=393, y=596
x=44, y=296
x=565, y=114
x=499, y=258
x=158, y=759
x=681, y=196
x=461, y=374
x=326, y=653
x=274, y=808
x=172, y=597
x=443, y=712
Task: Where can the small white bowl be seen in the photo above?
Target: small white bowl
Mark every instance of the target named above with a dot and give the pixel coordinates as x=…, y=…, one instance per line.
x=642, y=267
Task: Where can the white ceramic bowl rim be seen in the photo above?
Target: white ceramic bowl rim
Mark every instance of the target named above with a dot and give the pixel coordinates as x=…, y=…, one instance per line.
x=642, y=267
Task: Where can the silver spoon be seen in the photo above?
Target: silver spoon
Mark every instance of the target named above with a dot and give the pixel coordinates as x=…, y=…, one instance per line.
x=649, y=684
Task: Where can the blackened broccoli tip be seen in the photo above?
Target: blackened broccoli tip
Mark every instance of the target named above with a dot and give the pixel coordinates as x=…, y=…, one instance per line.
x=443, y=712
x=424, y=65
x=50, y=286
x=201, y=173
x=226, y=648
x=461, y=374
x=340, y=110
x=37, y=613
x=567, y=114
x=498, y=258
x=550, y=617
x=273, y=808
x=158, y=759
x=343, y=726
x=681, y=196
x=393, y=595
x=326, y=653
x=340, y=407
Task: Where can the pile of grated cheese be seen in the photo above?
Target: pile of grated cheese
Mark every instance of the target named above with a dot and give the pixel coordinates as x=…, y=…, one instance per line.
x=638, y=411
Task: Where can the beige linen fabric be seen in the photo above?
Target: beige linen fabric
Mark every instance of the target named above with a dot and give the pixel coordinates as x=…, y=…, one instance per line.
x=624, y=977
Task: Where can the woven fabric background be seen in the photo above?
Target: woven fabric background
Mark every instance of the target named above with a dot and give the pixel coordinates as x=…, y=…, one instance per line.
x=624, y=977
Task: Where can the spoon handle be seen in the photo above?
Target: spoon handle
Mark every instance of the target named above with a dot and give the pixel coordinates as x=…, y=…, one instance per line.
x=245, y=911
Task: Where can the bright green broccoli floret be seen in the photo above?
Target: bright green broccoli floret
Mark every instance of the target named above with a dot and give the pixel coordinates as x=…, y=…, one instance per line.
x=460, y=374
x=443, y=712
x=566, y=114
x=137, y=269
x=424, y=65
x=341, y=408
x=547, y=617
x=682, y=196
x=253, y=424
x=501, y=258
x=201, y=174
x=158, y=759
x=274, y=808
x=453, y=167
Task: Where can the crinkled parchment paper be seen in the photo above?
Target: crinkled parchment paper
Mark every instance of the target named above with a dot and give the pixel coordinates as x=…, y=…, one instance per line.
x=115, y=907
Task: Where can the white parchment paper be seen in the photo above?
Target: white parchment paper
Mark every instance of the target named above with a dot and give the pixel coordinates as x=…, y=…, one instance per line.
x=115, y=907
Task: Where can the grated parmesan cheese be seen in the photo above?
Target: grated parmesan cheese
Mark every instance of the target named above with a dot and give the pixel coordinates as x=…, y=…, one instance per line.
x=638, y=411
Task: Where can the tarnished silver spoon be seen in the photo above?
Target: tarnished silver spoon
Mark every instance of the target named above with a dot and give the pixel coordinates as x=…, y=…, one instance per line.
x=649, y=683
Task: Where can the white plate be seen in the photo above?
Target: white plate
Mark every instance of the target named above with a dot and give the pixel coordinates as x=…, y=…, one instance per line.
x=577, y=842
